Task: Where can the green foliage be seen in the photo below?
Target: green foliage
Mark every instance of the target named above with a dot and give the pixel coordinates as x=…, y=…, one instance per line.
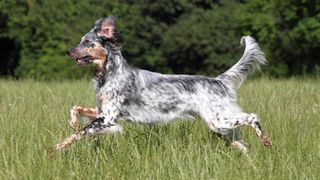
x=203, y=42
x=195, y=36
x=290, y=32
x=142, y=30
x=44, y=35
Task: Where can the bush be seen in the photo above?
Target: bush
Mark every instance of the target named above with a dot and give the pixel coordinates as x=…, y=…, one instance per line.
x=198, y=36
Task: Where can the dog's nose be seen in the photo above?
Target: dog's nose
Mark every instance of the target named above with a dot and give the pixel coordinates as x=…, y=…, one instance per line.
x=68, y=53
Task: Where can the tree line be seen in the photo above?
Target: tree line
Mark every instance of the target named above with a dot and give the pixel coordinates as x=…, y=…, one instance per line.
x=169, y=36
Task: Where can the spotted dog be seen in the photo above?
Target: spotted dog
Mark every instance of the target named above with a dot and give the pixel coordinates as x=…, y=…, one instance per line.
x=126, y=93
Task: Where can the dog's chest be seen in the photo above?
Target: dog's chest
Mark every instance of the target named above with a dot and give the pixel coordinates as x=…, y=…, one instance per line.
x=103, y=94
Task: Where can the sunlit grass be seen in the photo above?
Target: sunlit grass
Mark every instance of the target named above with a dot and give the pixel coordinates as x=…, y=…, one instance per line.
x=34, y=115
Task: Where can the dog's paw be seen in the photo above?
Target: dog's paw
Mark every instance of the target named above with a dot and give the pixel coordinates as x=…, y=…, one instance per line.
x=74, y=123
x=266, y=141
x=241, y=145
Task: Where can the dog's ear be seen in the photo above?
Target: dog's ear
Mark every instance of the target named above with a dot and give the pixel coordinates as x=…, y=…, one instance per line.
x=107, y=28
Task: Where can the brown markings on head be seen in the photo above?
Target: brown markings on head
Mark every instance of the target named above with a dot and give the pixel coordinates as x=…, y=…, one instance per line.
x=91, y=48
x=100, y=56
x=88, y=52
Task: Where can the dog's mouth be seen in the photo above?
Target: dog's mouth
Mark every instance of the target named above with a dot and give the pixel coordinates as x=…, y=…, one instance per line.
x=84, y=60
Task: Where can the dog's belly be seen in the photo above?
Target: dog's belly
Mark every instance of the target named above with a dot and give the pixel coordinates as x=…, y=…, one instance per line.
x=152, y=115
x=149, y=108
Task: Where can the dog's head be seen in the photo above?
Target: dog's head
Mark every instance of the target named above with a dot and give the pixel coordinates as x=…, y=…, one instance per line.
x=92, y=47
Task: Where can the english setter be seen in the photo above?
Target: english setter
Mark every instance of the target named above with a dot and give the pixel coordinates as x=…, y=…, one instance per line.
x=131, y=94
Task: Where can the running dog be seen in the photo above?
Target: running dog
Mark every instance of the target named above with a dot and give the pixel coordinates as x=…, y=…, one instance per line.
x=126, y=93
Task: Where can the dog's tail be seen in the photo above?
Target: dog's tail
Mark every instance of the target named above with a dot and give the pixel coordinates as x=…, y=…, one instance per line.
x=249, y=62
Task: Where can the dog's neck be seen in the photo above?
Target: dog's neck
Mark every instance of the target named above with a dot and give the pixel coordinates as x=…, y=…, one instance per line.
x=101, y=66
x=100, y=73
x=109, y=68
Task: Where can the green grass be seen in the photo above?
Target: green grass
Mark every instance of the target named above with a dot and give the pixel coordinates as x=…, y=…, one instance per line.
x=34, y=115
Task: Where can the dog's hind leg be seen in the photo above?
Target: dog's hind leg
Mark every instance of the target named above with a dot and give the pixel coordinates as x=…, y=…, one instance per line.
x=224, y=123
x=79, y=111
x=231, y=136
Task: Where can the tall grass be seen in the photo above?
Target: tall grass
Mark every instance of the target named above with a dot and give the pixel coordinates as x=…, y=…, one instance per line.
x=34, y=115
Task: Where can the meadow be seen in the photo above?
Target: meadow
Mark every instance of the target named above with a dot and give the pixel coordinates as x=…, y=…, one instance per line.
x=35, y=115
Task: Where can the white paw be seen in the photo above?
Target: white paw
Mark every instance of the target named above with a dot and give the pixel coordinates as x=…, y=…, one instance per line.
x=241, y=145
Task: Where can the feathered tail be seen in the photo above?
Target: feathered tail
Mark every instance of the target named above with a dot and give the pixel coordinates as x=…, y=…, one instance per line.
x=249, y=62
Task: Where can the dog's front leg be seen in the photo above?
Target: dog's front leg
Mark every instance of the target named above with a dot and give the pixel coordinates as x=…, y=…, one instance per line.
x=68, y=141
x=78, y=111
x=105, y=122
x=96, y=127
x=110, y=109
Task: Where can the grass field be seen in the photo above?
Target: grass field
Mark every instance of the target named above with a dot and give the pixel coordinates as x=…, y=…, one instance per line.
x=34, y=115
